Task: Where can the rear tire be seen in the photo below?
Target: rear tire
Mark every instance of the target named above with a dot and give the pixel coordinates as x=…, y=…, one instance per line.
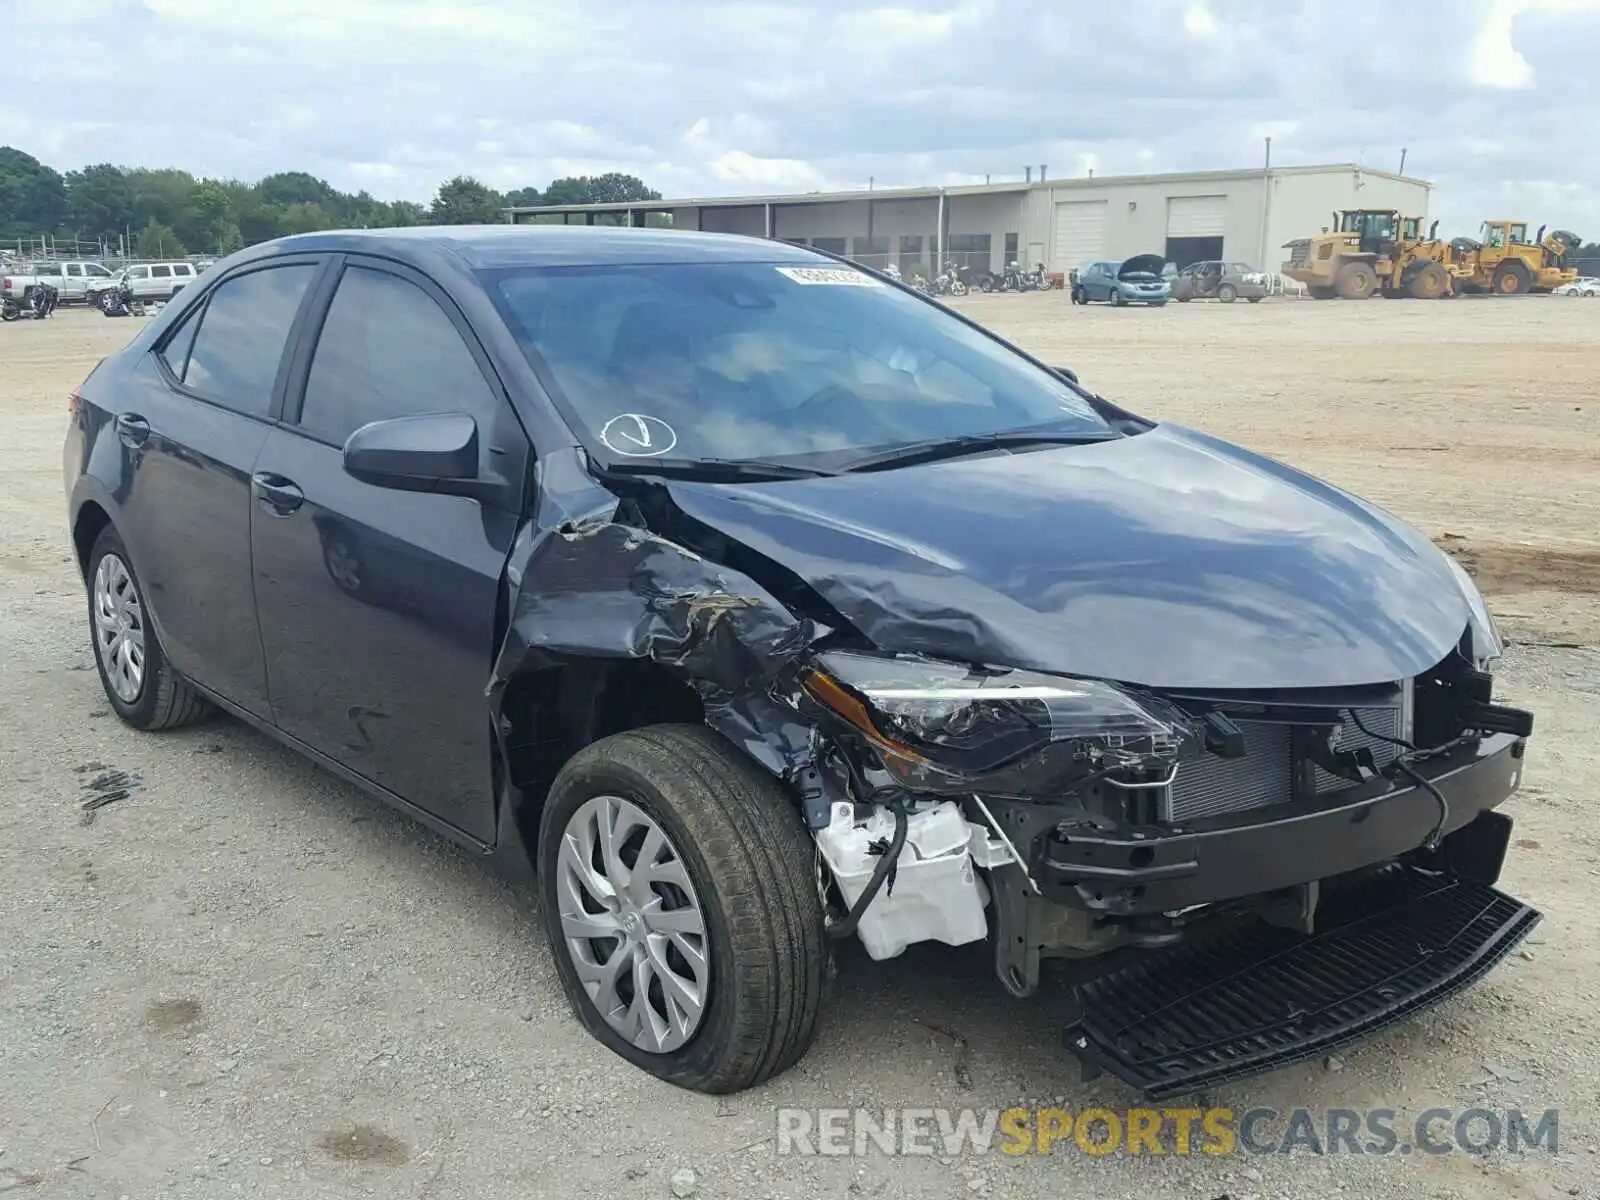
x=162, y=699
x=1511, y=278
x=1356, y=281
x=750, y=863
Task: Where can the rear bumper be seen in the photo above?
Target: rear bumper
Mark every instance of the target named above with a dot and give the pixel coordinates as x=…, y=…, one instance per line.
x=1151, y=871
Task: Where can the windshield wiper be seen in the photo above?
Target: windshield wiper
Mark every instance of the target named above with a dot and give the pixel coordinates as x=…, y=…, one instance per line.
x=972, y=443
x=749, y=470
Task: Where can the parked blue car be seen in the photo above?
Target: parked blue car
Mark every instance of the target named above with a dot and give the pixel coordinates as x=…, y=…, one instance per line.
x=1137, y=280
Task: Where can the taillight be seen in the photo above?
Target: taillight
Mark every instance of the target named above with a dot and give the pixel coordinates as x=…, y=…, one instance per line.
x=6, y=282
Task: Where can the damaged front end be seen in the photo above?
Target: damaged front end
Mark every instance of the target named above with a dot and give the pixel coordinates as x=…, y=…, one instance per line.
x=1060, y=817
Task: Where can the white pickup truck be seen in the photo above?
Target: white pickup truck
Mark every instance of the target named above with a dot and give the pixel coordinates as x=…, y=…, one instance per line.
x=73, y=280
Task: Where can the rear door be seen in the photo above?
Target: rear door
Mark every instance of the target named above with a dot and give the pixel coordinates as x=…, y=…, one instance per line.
x=192, y=416
x=379, y=607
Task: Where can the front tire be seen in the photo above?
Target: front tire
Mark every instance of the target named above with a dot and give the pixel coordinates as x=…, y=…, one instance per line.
x=1227, y=293
x=723, y=852
x=139, y=682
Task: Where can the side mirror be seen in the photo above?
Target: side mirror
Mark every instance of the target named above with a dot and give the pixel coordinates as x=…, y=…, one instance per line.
x=1066, y=373
x=436, y=452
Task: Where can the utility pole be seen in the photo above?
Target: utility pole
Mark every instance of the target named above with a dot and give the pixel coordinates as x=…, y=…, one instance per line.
x=1402, y=169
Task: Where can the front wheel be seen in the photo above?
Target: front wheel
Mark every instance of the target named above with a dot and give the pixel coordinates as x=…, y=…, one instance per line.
x=684, y=919
x=958, y=288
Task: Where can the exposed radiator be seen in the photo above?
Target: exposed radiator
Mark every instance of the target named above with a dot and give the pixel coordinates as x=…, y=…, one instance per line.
x=1211, y=786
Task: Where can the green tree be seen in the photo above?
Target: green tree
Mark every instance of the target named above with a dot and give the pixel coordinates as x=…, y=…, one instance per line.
x=296, y=187
x=465, y=201
x=305, y=218
x=156, y=240
x=229, y=239
x=100, y=201
x=524, y=197
x=610, y=188
x=33, y=197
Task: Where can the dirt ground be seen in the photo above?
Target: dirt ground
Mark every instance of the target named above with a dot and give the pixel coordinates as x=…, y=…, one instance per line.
x=249, y=979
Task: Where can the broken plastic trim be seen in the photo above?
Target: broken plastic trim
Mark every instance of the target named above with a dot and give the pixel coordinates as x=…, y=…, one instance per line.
x=947, y=728
x=586, y=583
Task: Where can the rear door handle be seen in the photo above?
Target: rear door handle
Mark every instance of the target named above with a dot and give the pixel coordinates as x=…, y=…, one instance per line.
x=276, y=494
x=132, y=429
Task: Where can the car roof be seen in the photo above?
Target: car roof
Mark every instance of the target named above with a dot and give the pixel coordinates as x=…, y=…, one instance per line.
x=489, y=246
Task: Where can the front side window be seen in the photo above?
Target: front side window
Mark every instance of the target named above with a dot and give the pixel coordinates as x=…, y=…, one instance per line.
x=96, y=270
x=242, y=334
x=161, y=272
x=388, y=350
x=75, y=270
x=764, y=360
x=138, y=272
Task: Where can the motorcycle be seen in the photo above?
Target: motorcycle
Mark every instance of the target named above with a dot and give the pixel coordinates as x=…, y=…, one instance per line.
x=118, y=300
x=38, y=301
x=893, y=272
x=949, y=281
x=1035, y=280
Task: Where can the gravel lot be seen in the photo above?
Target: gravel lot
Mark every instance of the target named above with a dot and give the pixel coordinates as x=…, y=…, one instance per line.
x=248, y=979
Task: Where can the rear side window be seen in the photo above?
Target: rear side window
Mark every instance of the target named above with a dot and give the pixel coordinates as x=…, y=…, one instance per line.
x=388, y=350
x=239, y=345
x=161, y=272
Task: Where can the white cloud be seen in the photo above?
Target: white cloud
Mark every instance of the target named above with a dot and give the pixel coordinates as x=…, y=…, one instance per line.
x=1199, y=20
x=708, y=97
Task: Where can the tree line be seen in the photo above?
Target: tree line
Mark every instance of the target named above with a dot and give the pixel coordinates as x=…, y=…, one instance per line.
x=168, y=213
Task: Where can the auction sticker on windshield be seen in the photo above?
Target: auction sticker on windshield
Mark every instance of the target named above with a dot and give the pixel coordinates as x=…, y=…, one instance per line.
x=839, y=276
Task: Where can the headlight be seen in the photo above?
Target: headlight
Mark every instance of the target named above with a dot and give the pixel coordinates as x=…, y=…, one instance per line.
x=1486, y=643
x=950, y=728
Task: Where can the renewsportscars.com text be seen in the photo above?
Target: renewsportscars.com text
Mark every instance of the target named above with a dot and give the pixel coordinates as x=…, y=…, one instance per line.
x=1163, y=1131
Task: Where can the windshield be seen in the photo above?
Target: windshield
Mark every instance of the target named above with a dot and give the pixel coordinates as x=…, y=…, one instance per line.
x=768, y=361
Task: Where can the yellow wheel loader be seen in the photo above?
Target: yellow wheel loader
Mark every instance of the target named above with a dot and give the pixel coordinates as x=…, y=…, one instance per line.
x=1506, y=263
x=1369, y=250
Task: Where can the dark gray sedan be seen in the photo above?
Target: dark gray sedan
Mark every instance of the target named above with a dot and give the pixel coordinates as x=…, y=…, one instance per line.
x=1225, y=281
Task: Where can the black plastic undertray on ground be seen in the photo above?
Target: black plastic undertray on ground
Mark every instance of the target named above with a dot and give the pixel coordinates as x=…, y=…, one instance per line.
x=1262, y=997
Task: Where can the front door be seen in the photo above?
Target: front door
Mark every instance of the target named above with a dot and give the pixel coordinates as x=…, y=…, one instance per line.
x=193, y=416
x=378, y=607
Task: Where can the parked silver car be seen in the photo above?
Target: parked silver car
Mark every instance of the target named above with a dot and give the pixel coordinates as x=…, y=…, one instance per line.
x=1135, y=280
x=1225, y=281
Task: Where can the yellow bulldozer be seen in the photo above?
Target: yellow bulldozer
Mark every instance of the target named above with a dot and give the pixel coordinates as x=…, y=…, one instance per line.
x=1506, y=263
x=1368, y=250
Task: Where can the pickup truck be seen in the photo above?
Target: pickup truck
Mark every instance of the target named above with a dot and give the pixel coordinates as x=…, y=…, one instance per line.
x=74, y=280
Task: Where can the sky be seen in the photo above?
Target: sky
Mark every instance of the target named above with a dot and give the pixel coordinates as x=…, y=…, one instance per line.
x=1492, y=100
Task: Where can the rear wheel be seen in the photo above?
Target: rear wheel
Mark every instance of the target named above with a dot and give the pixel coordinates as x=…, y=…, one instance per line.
x=678, y=893
x=1356, y=281
x=1511, y=278
x=1227, y=293
x=139, y=682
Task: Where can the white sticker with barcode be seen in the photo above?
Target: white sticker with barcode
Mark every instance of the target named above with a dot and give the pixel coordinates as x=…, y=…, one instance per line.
x=838, y=276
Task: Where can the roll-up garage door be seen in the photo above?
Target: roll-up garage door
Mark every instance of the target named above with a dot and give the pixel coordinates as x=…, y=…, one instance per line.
x=1197, y=216
x=1080, y=233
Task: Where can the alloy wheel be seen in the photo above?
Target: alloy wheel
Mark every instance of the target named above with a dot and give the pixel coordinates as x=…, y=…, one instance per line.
x=119, y=629
x=632, y=924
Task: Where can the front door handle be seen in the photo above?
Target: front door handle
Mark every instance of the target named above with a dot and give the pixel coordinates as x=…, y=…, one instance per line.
x=132, y=429
x=277, y=495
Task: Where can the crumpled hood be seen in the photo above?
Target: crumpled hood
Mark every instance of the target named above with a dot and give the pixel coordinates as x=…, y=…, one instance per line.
x=1169, y=559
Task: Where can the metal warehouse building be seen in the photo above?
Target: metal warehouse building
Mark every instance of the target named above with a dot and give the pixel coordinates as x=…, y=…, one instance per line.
x=1243, y=215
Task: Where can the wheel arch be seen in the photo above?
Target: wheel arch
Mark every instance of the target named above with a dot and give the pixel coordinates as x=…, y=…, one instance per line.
x=89, y=522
